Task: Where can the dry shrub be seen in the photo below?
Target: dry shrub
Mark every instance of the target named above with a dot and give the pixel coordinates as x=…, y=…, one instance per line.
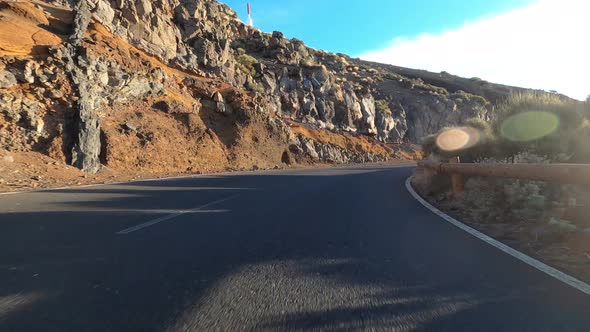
x=246, y=63
x=496, y=200
x=568, y=143
x=492, y=200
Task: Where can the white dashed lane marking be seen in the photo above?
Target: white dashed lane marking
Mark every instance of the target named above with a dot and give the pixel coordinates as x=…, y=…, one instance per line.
x=172, y=215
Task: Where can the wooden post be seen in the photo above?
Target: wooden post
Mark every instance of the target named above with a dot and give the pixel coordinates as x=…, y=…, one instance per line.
x=456, y=178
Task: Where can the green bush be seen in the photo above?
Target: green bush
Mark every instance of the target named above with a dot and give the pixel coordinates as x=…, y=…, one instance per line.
x=246, y=63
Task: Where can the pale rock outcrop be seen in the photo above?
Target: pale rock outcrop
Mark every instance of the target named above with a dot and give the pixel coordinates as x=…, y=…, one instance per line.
x=204, y=39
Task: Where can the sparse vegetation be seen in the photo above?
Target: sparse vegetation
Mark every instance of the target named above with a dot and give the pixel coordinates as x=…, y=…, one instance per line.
x=564, y=143
x=520, y=102
x=393, y=77
x=382, y=107
x=538, y=215
x=415, y=84
x=469, y=97
x=503, y=200
x=419, y=84
x=246, y=63
x=256, y=87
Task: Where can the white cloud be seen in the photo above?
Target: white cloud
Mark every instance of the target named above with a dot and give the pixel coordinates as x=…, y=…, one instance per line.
x=545, y=45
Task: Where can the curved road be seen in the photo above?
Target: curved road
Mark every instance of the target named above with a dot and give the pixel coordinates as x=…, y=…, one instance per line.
x=338, y=248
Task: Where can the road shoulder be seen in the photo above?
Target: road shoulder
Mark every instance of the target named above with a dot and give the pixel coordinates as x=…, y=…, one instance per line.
x=559, y=275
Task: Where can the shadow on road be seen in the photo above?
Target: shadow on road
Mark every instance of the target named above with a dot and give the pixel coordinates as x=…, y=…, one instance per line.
x=345, y=249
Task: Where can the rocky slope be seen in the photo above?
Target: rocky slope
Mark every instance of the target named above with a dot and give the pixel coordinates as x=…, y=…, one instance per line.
x=168, y=86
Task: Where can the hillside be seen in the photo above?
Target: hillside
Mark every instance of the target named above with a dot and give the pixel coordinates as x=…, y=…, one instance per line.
x=120, y=90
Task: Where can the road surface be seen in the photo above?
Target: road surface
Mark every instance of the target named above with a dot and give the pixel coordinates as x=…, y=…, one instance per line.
x=337, y=248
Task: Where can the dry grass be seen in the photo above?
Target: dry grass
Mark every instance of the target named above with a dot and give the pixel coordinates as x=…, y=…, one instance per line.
x=537, y=101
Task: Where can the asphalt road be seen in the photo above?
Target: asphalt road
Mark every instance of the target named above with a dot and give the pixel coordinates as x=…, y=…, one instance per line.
x=342, y=248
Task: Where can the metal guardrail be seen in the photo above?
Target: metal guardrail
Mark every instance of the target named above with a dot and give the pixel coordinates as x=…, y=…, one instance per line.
x=556, y=173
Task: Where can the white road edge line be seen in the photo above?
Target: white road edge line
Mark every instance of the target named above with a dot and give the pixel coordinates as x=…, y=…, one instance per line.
x=563, y=277
x=170, y=216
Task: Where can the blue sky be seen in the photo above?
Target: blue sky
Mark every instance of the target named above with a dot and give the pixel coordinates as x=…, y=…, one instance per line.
x=355, y=26
x=540, y=44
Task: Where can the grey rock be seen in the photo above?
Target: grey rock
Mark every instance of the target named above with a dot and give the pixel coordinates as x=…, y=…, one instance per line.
x=220, y=105
x=27, y=75
x=428, y=114
x=368, y=120
x=7, y=79
x=307, y=86
x=103, y=12
x=19, y=109
x=81, y=21
x=86, y=150
x=308, y=147
x=130, y=126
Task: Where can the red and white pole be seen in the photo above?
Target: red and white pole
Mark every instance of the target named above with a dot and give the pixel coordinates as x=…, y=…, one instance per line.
x=250, y=22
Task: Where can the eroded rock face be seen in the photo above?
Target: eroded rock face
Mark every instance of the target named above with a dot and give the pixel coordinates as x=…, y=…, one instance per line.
x=7, y=79
x=86, y=150
x=332, y=153
x=217, y=54
x=428, y=115
x=143, y=23
x=21, y=110
x=312, y=86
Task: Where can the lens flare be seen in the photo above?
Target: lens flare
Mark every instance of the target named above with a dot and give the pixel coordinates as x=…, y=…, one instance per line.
x=458, y=138
x=529, y=126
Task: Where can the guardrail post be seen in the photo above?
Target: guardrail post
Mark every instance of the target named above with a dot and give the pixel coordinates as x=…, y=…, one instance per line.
x=456, y=178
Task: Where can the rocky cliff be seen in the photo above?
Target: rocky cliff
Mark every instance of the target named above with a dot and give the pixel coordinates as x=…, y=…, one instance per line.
x=183, y=86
